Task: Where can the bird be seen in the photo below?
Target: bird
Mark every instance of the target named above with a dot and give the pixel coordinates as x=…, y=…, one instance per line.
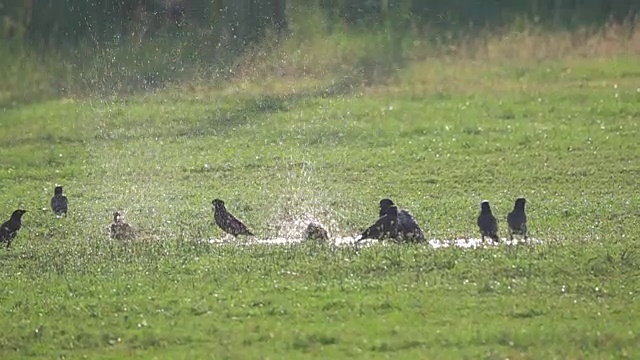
x=315, y=231
x=517, y=219
x=385, y=227
x=119, y=229
x=59, y=202
x=487, y=223
x=9, y=229
x=407, y=225
x=227, y=222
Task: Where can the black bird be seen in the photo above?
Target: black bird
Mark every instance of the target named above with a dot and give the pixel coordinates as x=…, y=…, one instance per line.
x=227, y=222
x=517, y=219
x=59, y=202
x=385, y=227
x=487, y=223
x=119, y=229
x=407, y=225
x=315, y=231
x=9, y=229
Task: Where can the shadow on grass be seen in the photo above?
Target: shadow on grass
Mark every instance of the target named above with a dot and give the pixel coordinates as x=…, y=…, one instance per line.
x=247, y=110
x=234, y=113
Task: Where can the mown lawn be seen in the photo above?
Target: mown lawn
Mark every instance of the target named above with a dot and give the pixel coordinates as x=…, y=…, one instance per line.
x=438, y=137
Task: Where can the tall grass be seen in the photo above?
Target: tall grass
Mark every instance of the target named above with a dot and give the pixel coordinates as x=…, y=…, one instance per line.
x=319, y=51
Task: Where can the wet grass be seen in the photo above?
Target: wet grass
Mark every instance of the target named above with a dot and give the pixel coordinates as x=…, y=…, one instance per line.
x=438, y=137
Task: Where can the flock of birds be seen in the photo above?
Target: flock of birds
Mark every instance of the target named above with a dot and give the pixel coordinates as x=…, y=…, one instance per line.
x=395, y=224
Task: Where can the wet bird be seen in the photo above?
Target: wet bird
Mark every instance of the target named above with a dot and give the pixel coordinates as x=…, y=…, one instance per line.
x=407, y=226
x=227, y=222
x=119, y=229
x=517, y=219
x=9, y=229
x=487, y=223
x=59, y=202
x=315, y=231
x=385, y=227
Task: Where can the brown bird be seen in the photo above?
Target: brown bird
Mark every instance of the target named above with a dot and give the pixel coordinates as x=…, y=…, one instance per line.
x=517, y=219
x=315, y=231
x=59, y=202
x=9, y=229
x=385, y=227
x=487, y=223
x=227, y=222
x=407, y=226
x=119, y=229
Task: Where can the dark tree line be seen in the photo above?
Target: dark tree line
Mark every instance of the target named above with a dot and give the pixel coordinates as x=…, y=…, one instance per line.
x=99, y=20
x=489, y=12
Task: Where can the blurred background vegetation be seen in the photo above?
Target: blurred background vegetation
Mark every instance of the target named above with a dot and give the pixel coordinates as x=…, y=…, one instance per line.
x=57, y=21
x=61, y=47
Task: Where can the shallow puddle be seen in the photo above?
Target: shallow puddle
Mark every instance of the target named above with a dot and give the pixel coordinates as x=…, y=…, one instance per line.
x=350, y=240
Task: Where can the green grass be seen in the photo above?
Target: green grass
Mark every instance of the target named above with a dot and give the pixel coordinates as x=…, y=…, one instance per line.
x=438, y=135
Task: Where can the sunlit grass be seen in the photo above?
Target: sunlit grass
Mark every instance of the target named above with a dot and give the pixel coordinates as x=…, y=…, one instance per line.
x=327, y=138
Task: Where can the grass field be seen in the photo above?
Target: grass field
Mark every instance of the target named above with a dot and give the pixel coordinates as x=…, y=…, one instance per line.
x=436, y=134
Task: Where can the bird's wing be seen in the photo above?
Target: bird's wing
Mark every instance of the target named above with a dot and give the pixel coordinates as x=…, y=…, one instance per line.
x=10, y=227
x=114, y=228
x=408, y=225
x=237, y=225
x=407, y=221
x=371, y=233
x=487, y=223
x=374, y=231
x=511, y=219
x=314, y=231
x=59, y=203
x=494, y=224
x=121, y=230
x=4, y=232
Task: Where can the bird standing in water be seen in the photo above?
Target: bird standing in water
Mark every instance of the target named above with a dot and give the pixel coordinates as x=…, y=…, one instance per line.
x=59, y=202
x=9, y=229
x=385, y=227
x=408, y=228
x=227, y=222
x=315, y=231
x=517, y=219
x=119, y=229
x=487, y=223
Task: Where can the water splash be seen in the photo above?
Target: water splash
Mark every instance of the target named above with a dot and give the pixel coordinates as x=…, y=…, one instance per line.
x=302, y=202
x=471, y=243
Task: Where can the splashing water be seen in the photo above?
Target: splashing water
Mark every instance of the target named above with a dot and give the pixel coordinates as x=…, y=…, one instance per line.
x=302, y=203
x=470, y=243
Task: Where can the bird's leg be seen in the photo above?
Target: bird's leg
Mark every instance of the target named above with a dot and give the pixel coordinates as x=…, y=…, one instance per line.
x=510, y=235
x=356, y=246
x=482, y=238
